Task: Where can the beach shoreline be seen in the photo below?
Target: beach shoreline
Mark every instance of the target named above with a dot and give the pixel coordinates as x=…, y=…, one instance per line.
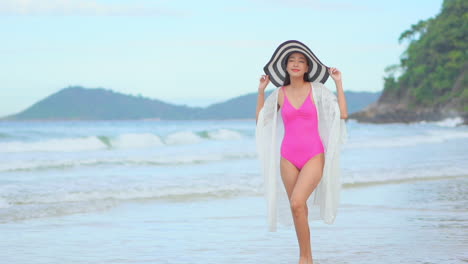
x=364, y=231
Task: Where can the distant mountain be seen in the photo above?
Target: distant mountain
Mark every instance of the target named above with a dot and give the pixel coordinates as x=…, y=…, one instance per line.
x=78, y=103
x=244, y=106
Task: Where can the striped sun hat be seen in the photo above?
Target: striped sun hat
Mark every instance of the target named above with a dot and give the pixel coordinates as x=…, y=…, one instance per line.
x=276, y=67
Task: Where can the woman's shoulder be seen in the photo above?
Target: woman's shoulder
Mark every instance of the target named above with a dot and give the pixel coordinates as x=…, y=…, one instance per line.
x=326, y=93
x=320, y=86
x=317, y=86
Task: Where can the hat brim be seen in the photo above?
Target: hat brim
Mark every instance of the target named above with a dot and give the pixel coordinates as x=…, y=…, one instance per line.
x=276, y=67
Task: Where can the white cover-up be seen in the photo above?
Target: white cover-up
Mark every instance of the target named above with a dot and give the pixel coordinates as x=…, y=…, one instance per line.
x=324, y=200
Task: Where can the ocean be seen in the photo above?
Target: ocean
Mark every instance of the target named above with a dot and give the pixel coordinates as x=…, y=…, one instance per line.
x=152, y=191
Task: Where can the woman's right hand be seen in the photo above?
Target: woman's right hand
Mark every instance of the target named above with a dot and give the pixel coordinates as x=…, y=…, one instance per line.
x=264, y=81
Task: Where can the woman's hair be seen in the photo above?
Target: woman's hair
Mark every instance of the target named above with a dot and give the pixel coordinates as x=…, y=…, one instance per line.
x=287, y=79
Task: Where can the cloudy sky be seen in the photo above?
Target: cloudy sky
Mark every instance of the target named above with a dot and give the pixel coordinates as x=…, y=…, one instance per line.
x=190, y=52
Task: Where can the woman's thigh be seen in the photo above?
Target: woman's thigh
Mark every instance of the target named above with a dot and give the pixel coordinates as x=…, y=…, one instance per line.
x=308, y=178
x=289, y=174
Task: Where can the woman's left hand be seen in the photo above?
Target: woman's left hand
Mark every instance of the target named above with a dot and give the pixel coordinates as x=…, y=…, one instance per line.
x=335, y=74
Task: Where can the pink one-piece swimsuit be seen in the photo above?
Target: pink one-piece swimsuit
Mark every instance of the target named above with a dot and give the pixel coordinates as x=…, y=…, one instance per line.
x=301, y=140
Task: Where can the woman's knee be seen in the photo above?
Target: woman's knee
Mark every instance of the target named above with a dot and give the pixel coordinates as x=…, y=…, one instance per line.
x=298, y=206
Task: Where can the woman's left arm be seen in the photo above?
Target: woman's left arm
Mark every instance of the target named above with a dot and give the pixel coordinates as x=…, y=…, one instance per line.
x=336, y=76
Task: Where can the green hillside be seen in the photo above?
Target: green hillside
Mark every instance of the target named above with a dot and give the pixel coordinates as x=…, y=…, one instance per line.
x=434, y=66
x=430, y=82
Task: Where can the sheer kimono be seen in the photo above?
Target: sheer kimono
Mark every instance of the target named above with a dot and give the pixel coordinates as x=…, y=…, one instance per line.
x=324, y=200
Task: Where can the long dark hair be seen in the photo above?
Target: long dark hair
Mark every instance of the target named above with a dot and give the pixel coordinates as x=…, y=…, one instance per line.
x=287, y=79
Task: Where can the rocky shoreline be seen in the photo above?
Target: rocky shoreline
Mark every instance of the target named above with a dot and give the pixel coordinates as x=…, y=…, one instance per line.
x=382, y=113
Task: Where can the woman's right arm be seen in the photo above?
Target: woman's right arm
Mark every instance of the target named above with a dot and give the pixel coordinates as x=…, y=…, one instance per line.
x=261, y=94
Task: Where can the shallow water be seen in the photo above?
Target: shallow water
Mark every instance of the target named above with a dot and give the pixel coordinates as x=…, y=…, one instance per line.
x=190, y=192
x=232, y=230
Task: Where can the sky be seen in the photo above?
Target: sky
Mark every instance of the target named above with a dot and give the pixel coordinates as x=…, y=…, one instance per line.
x=191, y=52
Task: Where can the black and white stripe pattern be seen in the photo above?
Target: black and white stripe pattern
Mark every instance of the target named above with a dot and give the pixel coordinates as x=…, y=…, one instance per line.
x=276, y=67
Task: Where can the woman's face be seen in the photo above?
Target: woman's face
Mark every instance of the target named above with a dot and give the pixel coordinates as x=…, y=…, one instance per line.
x=297, y=65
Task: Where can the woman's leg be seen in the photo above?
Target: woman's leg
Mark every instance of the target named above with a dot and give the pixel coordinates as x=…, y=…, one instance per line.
x=307, y=180
x=289, y=175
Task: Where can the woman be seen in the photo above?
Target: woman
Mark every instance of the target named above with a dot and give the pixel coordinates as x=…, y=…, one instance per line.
x=303, y=141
